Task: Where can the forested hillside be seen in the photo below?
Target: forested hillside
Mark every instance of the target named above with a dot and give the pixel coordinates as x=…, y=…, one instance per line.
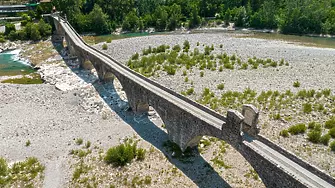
x=290, y=16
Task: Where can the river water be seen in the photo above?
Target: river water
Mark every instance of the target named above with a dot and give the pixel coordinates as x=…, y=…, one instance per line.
x=11, y=64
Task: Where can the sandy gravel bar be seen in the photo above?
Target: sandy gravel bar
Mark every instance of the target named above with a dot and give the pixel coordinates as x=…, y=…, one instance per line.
x=312, y=67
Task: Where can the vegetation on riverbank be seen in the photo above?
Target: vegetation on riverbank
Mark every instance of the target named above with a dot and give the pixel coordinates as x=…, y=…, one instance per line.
x=28, y=173
x=299, y=17
x=163, y=58
x=33, y=78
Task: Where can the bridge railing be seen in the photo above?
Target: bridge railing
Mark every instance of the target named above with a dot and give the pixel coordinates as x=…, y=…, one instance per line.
x=204, y=108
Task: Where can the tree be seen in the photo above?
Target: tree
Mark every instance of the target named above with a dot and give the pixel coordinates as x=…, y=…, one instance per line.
x=34, y=33
x=174, y=16
x=195, y=19
x=9, y=27
x=99, y=21
x=160, y=18
x=116, y=9
x=131, y=22
x=44, y=28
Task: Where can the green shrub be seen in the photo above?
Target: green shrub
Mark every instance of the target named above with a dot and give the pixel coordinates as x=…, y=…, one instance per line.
x=307, y=108
x=221, y=45
x=311, y=125
x=325, y=139
x=140, y=154
x=273, y=64
x=135, y=56
x=9, y=27
x=28, y=143
x=330, y=123
x=326, y=92
x=220, y=68
x=2, y=40
x=3, y=168
x=104, y=46
x=186, y=79
x=147, y=180
x=332, y=146
x=176, y=48
x=297, y=129
x=79, y=141
x=314, y=136
x=244, y=66
x=331, y=132
x=220, y=86
x=186, y=45
x=202, y=74
x=284, y=133
x=296, y=84
x=109, y=40
x=122, y=154
x=88, y=144
x=190, y=91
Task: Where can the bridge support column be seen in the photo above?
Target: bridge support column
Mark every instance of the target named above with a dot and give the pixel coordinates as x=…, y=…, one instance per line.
x=234, y=123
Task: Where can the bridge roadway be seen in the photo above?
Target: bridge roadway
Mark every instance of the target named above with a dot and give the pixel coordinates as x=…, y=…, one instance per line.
x=307, y=178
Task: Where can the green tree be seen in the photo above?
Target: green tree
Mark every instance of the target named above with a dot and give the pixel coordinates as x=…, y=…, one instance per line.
x=174, y=17
x=9, y=28
x=195, y=19
x=34, y=33
x=98, y=21
x=131, y=22
x=44, y=28
x=160, y=18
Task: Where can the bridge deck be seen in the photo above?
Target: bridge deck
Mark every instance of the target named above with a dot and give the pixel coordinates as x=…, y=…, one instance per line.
x=300, y=173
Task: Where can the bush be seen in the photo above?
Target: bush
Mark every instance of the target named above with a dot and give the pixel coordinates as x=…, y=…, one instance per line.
x=3, y=168
x=109, y=40
x=176, y=48
x=284, y=133
x=79, y=141
x=190, y=91
x=135, y=56
x=297, y=129
x=330, y=123
x=221, y=45
x=124, y=153
x=186, y=45
x=220, y=86
x=307, y=108
x=296, y=84
x=332, y=146
x=104, y=47
x=12, y=36
x=325, y=139
x=314, y=136
x=331, y=132
x=9, y=28
x=202, y=74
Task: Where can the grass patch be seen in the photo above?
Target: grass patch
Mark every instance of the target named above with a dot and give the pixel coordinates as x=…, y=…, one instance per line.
x=20, y=173
x=220, y=163
x=284, y=133
x=220, y=86
x=79, y=141
x=104, y=46
x=332, y=146
x=27, y=79
x=314, y=136
x=307, y=108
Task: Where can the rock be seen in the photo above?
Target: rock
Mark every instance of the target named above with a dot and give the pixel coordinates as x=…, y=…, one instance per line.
x=63, y=86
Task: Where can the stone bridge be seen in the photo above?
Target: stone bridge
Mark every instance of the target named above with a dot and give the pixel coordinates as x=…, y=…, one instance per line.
x=187, y=121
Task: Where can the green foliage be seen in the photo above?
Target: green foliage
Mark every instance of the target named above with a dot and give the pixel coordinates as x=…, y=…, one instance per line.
x=314, y=136
x=79, y=141
x=325, y=139
x=220, y=86
x=284, y=133
x=330, y=123
x=19, y=172
x=202, y=74
x=220, y=163
x=297, y=129
x=124, y=153
x=9, y=27
x=104, y=46
x=307, y=108
x=147, y=180
x=131, y=23
x=332, y=146
x=296, y=84
x=331, y=132
x=28, y=143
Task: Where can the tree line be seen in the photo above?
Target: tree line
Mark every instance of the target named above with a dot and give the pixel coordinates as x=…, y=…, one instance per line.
x=289, y=16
